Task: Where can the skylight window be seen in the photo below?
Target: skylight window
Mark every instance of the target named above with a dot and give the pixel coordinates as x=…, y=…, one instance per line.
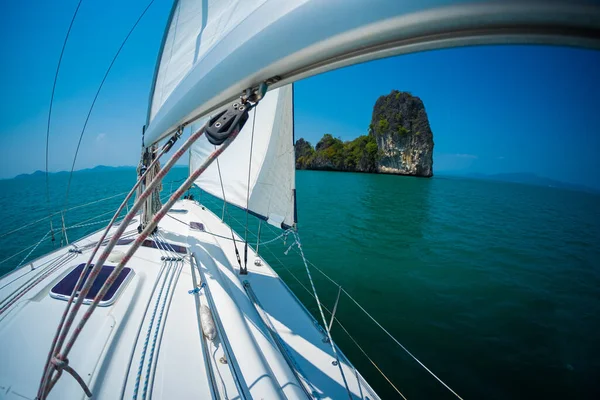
x=63, y=289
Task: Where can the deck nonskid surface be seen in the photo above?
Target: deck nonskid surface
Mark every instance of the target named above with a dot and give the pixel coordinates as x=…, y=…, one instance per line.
x=150, y=339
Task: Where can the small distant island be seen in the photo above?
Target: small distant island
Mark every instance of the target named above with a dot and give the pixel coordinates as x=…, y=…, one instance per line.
x=399, y=142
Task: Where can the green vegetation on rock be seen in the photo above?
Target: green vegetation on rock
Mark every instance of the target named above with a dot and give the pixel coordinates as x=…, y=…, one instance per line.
x=360, y=154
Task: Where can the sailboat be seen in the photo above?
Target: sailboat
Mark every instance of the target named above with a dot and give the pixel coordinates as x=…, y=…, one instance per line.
x=168, y=301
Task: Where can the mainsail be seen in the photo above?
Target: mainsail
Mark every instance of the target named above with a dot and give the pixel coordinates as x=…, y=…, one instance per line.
x=257, y=171
x=215, y=49
x=195, y=26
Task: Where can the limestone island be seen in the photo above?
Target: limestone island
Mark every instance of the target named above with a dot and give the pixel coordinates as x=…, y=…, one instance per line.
x=399, y=142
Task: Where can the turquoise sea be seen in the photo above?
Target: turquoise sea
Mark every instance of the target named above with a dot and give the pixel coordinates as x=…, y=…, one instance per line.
x=494, y=286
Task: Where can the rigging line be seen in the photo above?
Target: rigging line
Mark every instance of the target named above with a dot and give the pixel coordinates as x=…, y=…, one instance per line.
x=341, y=326
x=95, y=201
x=145, y=233
x=248, y=193
x=32, y=250
x=314, y=289
x=56, y=213
x=225, y=237
x=178, y=266
x=400, y=344
x=47, y=381
x=24, y=250
x=45, y=384
x=16, y=254
x=31, y=269
x=384, y=330
x=98, y=93
x=237, y=254
x=62, y=52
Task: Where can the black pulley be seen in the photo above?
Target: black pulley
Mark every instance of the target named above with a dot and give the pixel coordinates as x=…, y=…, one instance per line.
x=222, y=125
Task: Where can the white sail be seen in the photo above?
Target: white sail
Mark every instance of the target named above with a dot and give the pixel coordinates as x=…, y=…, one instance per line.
x=213, y=50
x=195, y=26
x=268, y=156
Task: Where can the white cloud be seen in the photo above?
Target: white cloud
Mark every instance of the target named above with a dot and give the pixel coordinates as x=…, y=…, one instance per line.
x=100, y=137
x=460, y=155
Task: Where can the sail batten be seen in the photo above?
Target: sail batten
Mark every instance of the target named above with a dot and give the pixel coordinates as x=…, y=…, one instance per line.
x=265, y=157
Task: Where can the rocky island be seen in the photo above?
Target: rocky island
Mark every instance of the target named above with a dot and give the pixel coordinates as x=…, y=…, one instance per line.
x=399, y=141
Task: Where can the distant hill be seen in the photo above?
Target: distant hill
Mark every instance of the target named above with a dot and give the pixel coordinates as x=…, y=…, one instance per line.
x=528, y=178
x=98, y=168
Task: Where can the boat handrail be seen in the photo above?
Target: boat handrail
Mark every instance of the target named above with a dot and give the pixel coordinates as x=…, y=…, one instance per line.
x=277, y=339
x=242, y=389
x=207, y=363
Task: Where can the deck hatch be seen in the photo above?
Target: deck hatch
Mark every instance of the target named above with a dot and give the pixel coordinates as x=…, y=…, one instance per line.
x=198, y=226
x=63, y=289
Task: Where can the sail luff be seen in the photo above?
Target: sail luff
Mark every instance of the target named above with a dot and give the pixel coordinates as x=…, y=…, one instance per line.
x=294, y=148
x=159, y=57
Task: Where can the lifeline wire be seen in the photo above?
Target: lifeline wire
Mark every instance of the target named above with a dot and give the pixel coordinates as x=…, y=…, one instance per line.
x=98, y=93
x=62, y=52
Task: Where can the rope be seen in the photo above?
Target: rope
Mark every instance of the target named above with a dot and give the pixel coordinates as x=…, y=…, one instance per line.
x=301, y=253
x=90, y=224
x=312, y=284
x=237, y=254
x=57, y=213
x=339, y=323
x=176, y=270
x=400, y=344
x=32, y=269
x=16, y=254
x=98, y=93
x=30, y=284
x=95, y=201
x=284, y=234
x=64, y=365
x=64, y=327
x=147, y=340
x=34, y=247
x=378, y=324
x=58, y=338
x=145, y=233
x=248, y=193
x=139, y=331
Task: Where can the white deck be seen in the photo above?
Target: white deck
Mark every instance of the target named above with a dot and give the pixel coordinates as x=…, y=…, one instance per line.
x=149, y=343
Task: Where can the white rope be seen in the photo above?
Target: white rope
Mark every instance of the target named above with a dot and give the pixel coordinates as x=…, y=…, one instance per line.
x=95, y=201
x=314, y=289
x=56, y=213
x=339, y=323
x=16, y=254
x=68, y=209
x=34, y=247
x=301, y=253
x=400, y=344
x=89, y=224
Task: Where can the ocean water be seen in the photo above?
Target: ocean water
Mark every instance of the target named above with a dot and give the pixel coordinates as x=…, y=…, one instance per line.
x=494, y=286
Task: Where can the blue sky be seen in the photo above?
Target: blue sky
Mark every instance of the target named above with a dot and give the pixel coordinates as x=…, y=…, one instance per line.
x=492, y=109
